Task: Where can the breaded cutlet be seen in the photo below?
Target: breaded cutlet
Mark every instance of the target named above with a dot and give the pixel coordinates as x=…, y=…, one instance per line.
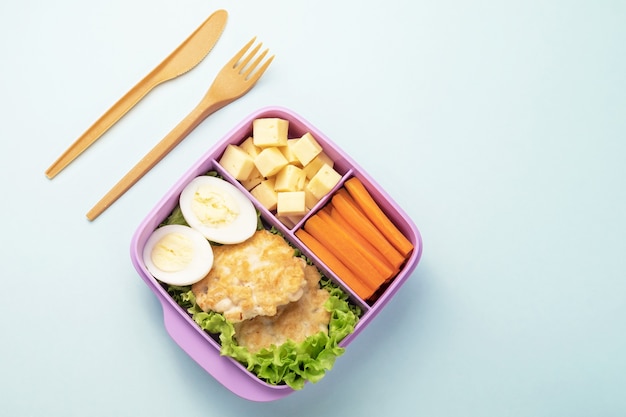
x=295, y=321
x=252, y=278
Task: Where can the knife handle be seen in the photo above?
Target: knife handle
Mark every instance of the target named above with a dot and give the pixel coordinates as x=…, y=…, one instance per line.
x=108, y=119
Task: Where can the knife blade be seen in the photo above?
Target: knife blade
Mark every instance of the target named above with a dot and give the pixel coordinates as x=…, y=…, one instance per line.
x=185, y=57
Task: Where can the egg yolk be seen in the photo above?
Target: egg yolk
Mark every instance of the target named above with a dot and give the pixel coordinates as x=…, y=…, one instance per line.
x=172, y=253
x=214, y=207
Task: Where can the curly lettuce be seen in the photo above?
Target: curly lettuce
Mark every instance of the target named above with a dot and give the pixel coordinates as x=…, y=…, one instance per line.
x=291, y=363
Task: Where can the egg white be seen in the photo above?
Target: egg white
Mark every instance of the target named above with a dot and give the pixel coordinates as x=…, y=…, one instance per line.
x=196, y=249
x=218, y=210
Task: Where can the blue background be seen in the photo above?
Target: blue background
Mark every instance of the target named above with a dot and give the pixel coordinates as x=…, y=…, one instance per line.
x=500, y=127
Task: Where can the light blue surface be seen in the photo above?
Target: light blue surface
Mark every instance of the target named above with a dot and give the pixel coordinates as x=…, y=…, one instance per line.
x=500, y=127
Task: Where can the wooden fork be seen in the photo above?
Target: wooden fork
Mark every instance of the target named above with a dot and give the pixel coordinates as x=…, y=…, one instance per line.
x=234, y=80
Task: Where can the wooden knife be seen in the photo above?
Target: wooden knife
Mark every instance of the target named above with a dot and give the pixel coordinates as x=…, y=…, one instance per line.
x=185, y=57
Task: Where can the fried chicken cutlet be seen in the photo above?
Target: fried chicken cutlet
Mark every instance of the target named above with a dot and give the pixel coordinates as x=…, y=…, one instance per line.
x=252, y=278
x=295, y=321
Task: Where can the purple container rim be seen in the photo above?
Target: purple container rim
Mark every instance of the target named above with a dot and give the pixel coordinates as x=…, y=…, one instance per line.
x=268, y=392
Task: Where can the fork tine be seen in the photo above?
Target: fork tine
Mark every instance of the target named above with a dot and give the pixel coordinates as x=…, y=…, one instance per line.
x=255, y=77
x=255, y=63
x=237, y=57
x=248, y=57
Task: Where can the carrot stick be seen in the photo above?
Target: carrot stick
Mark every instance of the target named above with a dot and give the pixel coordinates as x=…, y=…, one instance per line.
x=348, y=209
x=335, y=265
x=366, y=244
x=371, y=209
x=367, y=250
x=343, y=250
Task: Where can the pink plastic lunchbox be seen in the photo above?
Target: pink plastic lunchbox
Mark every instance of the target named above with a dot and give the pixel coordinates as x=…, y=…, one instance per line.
x=198, y=344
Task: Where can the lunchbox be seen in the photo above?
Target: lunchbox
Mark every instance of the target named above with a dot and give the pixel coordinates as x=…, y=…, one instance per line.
x=196, y=342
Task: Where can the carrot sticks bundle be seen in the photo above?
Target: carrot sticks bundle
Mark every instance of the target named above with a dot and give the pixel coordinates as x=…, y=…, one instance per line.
x=364, y=246
x=356, y=240
x=382, y=271
x=349, y=255
x=365, y=201
x=346, y=207
x=359, y=287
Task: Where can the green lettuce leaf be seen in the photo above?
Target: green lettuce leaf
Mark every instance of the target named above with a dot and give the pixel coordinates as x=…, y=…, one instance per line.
x=291, y=363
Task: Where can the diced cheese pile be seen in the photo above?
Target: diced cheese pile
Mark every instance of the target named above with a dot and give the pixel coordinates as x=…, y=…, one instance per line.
x=287, y=176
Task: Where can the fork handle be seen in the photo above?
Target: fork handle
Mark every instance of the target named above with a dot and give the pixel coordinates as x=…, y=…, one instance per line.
x=156, y=154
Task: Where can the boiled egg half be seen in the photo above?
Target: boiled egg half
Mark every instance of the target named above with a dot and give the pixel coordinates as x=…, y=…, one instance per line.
x=178, y=255
x=218, y=210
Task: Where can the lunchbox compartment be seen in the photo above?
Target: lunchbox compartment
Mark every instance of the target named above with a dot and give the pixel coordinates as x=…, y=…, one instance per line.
x=167, y=207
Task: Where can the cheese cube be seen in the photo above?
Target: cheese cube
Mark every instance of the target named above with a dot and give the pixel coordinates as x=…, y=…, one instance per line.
x=249, y=146
x=288, y=152
x=237, y=162
x=269, y=161
x=290, y=178
x=290, y=203
x=290, y=221
x=253, y=179
x=324, y=181
x=287, y=221
x=270, y=132
x=306, y=148
x=310, y=200
x=312, y=167
x=265, y=194
x=296, y=219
